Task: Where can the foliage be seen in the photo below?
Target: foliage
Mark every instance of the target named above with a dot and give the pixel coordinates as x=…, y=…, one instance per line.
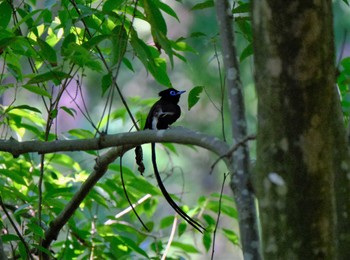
x=45, y=48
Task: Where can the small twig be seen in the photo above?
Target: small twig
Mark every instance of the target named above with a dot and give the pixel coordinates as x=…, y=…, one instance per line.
x=16, y=229
x=232, y=150
x=128, y=209
x=171, y=238
x=219, y=213
x=126, y=193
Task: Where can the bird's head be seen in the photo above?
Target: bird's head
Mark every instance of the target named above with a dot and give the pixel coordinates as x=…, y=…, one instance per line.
x=171, y=94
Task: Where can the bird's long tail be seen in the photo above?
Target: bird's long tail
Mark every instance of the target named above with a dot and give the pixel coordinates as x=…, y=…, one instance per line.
x=172, y=203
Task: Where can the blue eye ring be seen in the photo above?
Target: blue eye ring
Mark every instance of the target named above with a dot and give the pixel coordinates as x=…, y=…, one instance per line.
x=173, y=93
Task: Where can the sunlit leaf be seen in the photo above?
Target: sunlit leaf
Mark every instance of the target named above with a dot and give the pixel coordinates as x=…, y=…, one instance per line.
x=186, y=247
x=37, y=90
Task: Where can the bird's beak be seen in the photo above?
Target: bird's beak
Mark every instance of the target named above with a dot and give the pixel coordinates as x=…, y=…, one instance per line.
x=181, y=92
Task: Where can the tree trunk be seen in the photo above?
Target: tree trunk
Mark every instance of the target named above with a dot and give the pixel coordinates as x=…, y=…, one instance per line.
x=302, y=154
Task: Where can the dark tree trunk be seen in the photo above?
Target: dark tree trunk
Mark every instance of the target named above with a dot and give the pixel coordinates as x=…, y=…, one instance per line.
x=302, y=155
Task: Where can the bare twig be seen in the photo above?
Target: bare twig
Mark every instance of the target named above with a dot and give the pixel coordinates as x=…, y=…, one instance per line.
x=16, y=229
x=218, y=216
x=171, y=238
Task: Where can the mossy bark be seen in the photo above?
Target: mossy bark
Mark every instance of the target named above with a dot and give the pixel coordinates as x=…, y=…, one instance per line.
x=302, y=154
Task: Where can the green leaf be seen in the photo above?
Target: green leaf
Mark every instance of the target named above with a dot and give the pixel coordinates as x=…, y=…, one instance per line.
x=193, y=96
x=182, y=46
x=242, y=8
x=9, y=237
x=154, y=16
x=248, y=51
x=185, y=247
x=166, y=222
x=245, y=27
x=37, y=90
x=4, y=42
x=5, y=14
x=81, y=133
x=82, y=57
x=203, y=5
x=111, y=5
x=91, y=43
x=207, y=240
x=119, y=39
x=70, y=38
x=231, y=236
x=14, y=176
x=69, y=111
x=36, y=229
x=47, y=52
x=55, y=76
x=34, y=109
x=157, y=67
x=106, y=82
x=166, y=8
x=128, y=64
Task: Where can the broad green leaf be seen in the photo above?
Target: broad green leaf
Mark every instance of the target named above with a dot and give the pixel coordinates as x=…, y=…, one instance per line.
x=154, y=16
x=185, y=247
x=35, y=228
x=37, y=90
x=9, y=237
x=70, y=38
x=166, y=221
x=231, y=236
x=47, y=52
x=128, y=64
x=111, y=5
x=27, y=107
x=55, y=76
x=27, y=17
x=193, y=96
x=119, y=39
x=346, y=63
x=14, y=176
x=157, y=67
x=248, y=51
x=91, y=43
x=106, y=83
x=203, y=5
x=4, y=42
x=166, y=8
x=5, y=14
x=245, y=27
x=82, y=57
x=207, y=240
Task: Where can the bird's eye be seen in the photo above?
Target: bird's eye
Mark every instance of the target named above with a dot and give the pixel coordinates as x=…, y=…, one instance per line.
x=173, y=93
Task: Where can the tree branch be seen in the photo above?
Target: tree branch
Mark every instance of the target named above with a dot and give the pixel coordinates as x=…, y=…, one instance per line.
x=120, y=143
x=178, y=135
x=240, y=182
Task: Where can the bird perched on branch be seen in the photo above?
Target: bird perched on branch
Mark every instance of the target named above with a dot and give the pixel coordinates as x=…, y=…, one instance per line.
x=162, y=114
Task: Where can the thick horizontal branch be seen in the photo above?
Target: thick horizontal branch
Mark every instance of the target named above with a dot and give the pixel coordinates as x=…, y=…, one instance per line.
x=120, y=143
x=174, y=135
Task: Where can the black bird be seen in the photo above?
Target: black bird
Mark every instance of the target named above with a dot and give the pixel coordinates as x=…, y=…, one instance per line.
x=162, y=114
